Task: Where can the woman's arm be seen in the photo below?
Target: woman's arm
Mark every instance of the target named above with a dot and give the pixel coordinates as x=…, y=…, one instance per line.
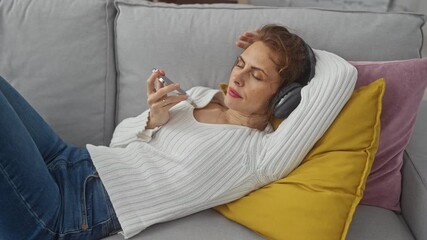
x=322, y=100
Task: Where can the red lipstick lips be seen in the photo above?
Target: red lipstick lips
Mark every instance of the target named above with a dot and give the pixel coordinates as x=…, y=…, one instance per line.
x=233, y=93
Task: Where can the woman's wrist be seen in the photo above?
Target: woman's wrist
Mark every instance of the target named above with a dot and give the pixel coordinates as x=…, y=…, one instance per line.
x=150, y=123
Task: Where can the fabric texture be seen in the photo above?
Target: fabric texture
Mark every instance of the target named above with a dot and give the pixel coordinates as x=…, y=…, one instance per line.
x=192, y=57
x=376, y=223
x=353, y=5
x=406, y=81
x=59, y=55
x=48, y=189
x=205, y=225
x=318, y=199
x=414, y=177
x=169, y=177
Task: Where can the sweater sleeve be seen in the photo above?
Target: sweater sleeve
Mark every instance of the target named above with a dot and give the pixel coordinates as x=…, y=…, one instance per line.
x=321, y=101
x=132, y=129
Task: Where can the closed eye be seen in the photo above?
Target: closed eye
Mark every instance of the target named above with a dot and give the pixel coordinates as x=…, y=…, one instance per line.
x=257, y=78
x=239, y=62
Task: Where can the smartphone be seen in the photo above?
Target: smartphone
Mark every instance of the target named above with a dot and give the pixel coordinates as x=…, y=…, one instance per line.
x=166, y=81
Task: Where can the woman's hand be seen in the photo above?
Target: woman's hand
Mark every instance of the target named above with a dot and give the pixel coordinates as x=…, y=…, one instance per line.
x=246, y=39
x=159, y=101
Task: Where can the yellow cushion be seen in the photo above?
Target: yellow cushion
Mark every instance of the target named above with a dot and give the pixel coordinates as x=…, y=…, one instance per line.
x=318, y=199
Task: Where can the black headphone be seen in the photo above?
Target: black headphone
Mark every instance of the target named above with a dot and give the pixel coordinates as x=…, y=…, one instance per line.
x=288, y=98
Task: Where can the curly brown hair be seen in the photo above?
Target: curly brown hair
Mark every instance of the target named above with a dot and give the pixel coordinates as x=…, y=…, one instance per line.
x=293, y=60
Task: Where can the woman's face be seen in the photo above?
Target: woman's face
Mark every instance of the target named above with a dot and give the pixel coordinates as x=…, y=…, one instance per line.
x=253, y=80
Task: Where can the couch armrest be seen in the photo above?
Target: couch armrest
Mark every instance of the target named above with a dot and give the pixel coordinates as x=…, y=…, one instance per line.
x=414, y=183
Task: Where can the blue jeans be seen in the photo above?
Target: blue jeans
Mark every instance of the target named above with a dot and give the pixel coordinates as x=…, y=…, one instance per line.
x=48, y=189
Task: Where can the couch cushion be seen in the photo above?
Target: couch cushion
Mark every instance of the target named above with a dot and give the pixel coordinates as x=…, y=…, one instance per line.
x=369, y=223
x=354, y=5
x=198, y=49
x=59, y=56
x=374, y=223
x=414, y=185
x=206, y=225
x=405, y=81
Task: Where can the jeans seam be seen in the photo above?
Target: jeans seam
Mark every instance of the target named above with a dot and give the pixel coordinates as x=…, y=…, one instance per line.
x=83, y=201
x=65, y=161
x=77, y=231
x=27, y=206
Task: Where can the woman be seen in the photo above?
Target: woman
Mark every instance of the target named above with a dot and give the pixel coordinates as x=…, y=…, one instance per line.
x=174, y=159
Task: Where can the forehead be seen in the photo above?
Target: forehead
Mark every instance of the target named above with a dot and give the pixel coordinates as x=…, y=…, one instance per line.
x=260, y=55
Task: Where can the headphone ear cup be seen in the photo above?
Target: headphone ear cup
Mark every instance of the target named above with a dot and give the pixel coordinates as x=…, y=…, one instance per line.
x=287, y=100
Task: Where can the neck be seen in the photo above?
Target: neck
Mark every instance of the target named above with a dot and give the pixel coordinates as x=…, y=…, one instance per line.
x=257, y=121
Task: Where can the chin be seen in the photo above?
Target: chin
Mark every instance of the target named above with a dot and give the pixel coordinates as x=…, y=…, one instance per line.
x=227, y=102
x=232, y=104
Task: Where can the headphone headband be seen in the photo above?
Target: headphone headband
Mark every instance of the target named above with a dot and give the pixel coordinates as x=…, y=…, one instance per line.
x=310, y=68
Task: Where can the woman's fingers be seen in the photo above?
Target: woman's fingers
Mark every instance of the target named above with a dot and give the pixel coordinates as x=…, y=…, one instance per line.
x=158, y=99
x=168, y=102
x=243, y=45
x=173, y=100
x=151, y=82
x=162, y=93
x=165, y=90
x=246, y=39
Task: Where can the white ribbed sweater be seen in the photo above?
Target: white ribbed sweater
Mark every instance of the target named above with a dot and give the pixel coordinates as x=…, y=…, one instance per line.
x=187, y=166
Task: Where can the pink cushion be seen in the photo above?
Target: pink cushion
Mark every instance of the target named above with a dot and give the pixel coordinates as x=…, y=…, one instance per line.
x=405, y=84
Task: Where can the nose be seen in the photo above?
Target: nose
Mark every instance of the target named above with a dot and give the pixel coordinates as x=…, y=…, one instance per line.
x=239, y=78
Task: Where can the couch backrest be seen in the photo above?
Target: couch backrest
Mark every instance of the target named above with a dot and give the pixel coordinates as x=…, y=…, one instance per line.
x=60, y=54
x=195, y=43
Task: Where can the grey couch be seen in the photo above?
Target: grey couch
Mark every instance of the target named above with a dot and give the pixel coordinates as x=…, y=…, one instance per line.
x=75, y=62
